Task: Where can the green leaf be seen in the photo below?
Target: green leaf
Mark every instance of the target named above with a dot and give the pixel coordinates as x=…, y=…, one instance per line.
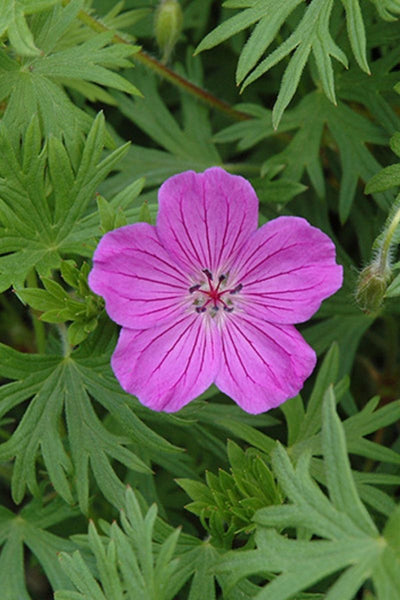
x=86, y=62
x=263, y=35
x=394, y=288
x=352, y=135
x=54, y=212
x=327, y=375
x=312, y=33
x=346, y=330
x=367, y=421
x=28, y=530
x=190, y=143
x=387, y=178
x=293, y=409
x=226, y=505
x=374, y=90
x=388, y=9
x=235, y=24
x=341, y=486
x=349, y=549
x=279, y=191
x=356, y=32
x=13, y=23
x=36, y=85
x=64, y=383
x=144, y=214
x=127, y=560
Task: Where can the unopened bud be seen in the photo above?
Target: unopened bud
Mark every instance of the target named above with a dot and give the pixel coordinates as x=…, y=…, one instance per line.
x=168, y=26
x=371, y=287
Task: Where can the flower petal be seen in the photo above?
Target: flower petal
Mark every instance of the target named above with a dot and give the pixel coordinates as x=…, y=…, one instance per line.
x=204, y=217
x=287, y=268
x=168, y=366
x=138, y=279
x=262, y=364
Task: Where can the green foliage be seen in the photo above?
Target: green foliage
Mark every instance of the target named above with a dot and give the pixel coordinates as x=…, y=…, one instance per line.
x=55, y=212
x=311, y=34
x=35, y=85
x=349, y=131
x=13, y=23
x=227, y=503
x=68, y=383
x=28, y=529
x=186, y=146
x=389, y=177
x=142, y=557
x=57, y=306
x=129, y=551
x=388, y=9
x=347, y=539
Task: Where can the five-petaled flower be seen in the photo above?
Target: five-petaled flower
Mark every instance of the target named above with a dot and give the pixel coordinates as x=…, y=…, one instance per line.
x=205, y=297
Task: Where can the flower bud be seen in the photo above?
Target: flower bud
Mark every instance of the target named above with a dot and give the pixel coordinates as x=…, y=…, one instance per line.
x=167, y=26
x=371, y=287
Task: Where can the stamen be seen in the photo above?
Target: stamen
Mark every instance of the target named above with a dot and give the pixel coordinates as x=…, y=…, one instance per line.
x=236, y=289
x=214, y=294
x=220, y=280
x=194, y=288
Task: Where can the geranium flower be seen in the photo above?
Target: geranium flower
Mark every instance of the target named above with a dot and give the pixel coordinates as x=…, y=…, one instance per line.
x=205, y=297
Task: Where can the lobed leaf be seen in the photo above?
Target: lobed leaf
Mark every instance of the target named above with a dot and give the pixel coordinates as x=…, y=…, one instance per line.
x=35, y=85
x=350, y=550
x=61, y=383
x=311, y=34
x=26, y=531
x=54, y=212
x=13, y=23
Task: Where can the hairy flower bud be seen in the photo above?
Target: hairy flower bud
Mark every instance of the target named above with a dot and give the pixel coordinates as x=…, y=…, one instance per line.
x=371, y=287
x=167, y=26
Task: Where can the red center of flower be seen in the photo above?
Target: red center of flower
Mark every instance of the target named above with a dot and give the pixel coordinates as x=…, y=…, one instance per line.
x=213, y=295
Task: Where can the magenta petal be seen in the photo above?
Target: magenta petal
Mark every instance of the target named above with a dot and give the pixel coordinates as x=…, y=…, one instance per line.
x=168, y=366
x=287, y=268
x=262, y=364
x=138, y=279
x=204, y=217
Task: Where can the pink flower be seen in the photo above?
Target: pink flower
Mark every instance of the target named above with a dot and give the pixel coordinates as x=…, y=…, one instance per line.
x=205, y=297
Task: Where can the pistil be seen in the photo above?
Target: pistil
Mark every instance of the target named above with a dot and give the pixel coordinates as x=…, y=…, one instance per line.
x=214, y=293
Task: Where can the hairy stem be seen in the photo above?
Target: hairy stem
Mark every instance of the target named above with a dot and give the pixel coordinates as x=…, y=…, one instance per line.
x=384, y=258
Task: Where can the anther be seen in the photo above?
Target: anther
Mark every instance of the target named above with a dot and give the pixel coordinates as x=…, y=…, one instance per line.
x=194, y=288
x=228, y=308
x=221, y=278
x=200, y=309
x=236, y=289
x=207, y=273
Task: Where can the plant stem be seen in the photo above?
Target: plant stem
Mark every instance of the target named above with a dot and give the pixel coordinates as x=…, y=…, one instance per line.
x=155, y=65
x=384, y=253
x=66, y=347
x=38, y=326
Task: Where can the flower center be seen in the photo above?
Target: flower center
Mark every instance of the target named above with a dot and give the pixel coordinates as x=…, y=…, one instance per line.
x=213, y=295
